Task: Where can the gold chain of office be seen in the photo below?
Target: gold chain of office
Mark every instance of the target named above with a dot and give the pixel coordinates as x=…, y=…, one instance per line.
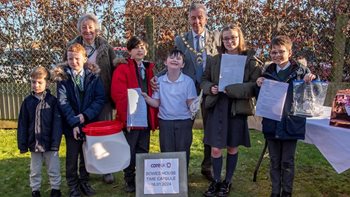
x=199, y=53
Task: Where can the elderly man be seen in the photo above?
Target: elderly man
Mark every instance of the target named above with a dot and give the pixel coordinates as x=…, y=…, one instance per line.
x=197, y=45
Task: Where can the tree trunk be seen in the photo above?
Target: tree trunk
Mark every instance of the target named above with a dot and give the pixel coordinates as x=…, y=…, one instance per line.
x=339, y=48
x=150, y=37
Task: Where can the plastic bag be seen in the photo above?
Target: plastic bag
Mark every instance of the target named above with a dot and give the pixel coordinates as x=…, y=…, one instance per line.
x=309, y=98
x=196, y=105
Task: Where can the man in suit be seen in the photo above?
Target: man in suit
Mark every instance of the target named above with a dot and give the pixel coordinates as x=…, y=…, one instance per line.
x=197, y=45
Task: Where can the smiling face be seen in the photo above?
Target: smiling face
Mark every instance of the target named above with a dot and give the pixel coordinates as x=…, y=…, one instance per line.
x=198, y=20
x=139, y=52
x=88, y=31
x=231, y=41
x=76, y=60
x=175, y=62
x=280, y=55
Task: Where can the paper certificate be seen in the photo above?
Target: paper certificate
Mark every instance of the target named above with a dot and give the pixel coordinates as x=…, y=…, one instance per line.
x=271, y=99
x=231, y=70
x=137, y=109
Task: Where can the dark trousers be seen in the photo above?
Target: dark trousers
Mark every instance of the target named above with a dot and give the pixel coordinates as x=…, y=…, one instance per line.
x=74, y=155
x=282, y=154
x=138, y=141
x=206, y=163
x=176, y=136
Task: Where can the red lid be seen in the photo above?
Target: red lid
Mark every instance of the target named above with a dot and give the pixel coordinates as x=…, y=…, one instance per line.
x=101, y=128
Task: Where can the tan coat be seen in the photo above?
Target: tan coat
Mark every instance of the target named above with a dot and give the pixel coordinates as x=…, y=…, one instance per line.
x=242, y=95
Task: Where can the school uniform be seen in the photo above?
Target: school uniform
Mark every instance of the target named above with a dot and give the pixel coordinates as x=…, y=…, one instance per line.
x=282, y=135
x=102, y=54
x=175, y=123
x=125, y=76
x=78, y=93
x=226, y=123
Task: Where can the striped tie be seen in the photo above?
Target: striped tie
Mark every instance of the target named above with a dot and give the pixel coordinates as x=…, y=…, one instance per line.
x=77, y=80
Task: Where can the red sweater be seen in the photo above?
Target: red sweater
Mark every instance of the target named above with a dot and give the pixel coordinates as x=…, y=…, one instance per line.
x=124, y=77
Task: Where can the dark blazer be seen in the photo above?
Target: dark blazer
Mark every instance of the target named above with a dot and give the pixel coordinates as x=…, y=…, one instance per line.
x=106, y=59
x=290, y=127
x=69, y=100
x=241, y=94
x=212, y=45
x=49, y=135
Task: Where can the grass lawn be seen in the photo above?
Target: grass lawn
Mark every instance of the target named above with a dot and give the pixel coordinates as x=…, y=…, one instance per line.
x=314, y=175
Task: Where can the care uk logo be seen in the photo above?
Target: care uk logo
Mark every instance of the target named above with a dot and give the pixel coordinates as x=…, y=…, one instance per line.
x=161, y=165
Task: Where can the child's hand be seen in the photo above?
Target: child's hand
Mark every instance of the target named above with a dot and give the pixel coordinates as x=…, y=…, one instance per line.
x=81, y=118
x=260, y=81
x=145, y=95
x=309, y=77
x=154, y=83
x=76, y=132
x=214, y=89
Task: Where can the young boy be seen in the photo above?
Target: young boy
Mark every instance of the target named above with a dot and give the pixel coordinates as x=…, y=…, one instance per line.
x=176, y=93
x=81, y=98
x=136, y=73
x=39, y=130
x=282, y=135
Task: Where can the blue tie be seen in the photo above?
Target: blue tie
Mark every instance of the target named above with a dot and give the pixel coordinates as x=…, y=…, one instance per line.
x=199, y=67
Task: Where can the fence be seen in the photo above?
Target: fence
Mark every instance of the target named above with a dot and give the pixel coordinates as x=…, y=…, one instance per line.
x=10, y=101
x=36, y=33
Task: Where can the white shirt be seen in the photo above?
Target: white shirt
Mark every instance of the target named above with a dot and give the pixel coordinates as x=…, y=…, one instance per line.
x=278, y=68
x=143, y=70
x=81, y=75
x=173, y=97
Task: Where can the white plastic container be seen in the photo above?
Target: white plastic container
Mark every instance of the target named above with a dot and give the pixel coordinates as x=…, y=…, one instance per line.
x=106, y=149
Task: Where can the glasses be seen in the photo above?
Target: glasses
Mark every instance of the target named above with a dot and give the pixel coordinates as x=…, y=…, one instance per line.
x=228, y=39
x=274, y=53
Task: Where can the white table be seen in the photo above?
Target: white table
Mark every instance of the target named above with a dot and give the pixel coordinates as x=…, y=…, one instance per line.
x=332, y=142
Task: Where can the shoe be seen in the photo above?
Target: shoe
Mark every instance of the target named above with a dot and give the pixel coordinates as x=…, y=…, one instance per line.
x=129, y=187
x=36, y=194
x=286, y=194
x=208, y=175
x=74, y=193
x=55, y=193
x=213, y=189
x=108, y=178
x=224, y=189
x=86, y=189
x=274, y=195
